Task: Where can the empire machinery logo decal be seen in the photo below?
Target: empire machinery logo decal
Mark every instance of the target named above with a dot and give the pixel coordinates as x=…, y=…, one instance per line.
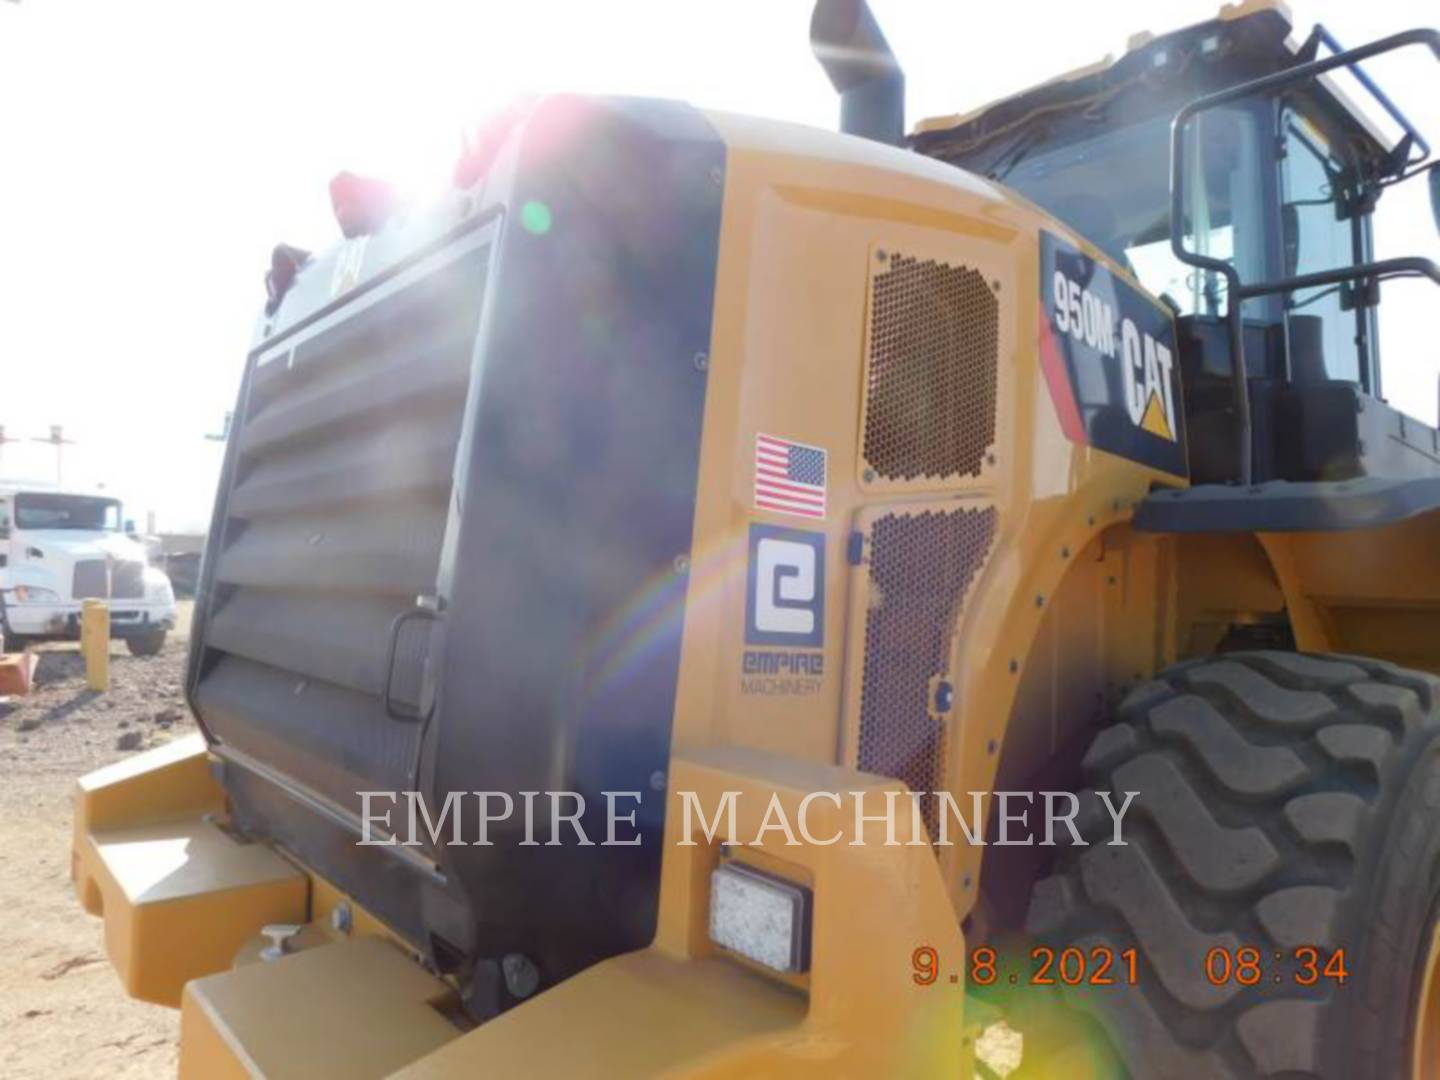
x=784, y=612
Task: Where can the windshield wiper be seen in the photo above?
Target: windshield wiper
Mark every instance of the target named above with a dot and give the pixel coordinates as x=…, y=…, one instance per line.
x=1018, y=152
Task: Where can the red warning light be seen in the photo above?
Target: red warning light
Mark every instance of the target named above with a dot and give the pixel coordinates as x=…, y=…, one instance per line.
x=362, y=204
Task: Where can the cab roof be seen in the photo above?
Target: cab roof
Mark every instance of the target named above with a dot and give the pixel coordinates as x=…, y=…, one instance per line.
x=1253, y=37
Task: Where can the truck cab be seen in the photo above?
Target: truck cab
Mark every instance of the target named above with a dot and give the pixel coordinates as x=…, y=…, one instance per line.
x=59, y=548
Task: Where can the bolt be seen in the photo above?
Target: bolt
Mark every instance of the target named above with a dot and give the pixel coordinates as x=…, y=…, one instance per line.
x=522, y=978
x=881, y=256
x=657, y=781
x=702, y=361
x=341, y=918
x=944, y=697
x=1064, y=553
x=990, y=747
x=717, y=175
x=989, y=459
x=965, y=881
x=869, y=475
x=1090, y=520
x=681, y=564
x=1014, y=666
x=995, y=285
x=1039, y=601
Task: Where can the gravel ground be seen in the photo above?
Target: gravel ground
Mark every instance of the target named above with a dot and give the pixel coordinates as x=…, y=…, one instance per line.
x=62, y=1011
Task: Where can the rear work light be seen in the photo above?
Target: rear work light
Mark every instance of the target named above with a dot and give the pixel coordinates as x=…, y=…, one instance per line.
x=761, y=917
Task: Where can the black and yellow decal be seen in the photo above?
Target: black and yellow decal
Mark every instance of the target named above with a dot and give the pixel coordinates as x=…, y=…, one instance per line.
x=1109, y=357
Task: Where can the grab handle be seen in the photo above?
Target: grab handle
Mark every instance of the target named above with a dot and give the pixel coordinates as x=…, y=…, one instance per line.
x=428, y=609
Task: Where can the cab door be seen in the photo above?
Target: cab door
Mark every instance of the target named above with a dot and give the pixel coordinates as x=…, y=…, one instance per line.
x=1331, y=336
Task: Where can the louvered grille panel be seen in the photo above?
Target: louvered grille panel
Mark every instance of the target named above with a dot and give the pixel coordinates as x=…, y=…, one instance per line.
x=921, y=567
x=931, y=379
x=334, y=522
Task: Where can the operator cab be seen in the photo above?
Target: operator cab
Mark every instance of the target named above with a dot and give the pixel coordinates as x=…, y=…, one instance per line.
x=1276, y=184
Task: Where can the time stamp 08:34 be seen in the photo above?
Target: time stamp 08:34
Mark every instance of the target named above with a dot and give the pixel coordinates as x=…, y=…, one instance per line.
x=1304, y=965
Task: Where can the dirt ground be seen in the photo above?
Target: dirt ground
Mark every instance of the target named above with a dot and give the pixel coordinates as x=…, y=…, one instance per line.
x=62, y=1011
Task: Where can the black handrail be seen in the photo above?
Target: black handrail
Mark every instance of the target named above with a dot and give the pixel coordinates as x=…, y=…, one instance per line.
x=1239, y=293
x=1322, y=36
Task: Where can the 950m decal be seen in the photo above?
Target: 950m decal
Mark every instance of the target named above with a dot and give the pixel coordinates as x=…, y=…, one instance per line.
x=1110, y=360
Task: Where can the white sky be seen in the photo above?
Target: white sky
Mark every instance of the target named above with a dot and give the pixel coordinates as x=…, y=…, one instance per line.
x=151, y=154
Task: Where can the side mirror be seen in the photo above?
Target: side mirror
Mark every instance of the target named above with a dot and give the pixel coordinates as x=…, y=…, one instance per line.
x=1435, y=194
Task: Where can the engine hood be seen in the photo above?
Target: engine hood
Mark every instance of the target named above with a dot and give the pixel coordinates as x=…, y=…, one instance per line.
x=85, y=543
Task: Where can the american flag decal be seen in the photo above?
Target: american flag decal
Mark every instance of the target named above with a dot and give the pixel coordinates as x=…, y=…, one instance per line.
x=789, y=477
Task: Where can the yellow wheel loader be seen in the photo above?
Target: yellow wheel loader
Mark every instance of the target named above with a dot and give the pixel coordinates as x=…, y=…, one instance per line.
x=709, y=597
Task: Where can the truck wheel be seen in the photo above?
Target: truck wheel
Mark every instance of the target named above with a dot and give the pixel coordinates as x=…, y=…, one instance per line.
x=146, y=644
x=1287, y=804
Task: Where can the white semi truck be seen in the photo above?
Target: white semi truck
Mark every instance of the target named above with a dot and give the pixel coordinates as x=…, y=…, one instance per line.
x=59, y=548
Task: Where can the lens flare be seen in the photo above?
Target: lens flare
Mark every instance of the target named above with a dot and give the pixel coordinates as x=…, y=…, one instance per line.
x=535, y=217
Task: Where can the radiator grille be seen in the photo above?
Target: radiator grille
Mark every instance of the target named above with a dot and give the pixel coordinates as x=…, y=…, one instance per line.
x=93, y=580
x=931, y=381
x=90, y=581
x=921, y=567
x=127, y=581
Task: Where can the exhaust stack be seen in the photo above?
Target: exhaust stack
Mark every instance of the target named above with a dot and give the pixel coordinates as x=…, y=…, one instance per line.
x=848, y=43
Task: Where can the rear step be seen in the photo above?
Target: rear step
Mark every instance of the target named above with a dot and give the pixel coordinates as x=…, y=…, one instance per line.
x=357, y=1008
x=179, y=895
x=185, y=903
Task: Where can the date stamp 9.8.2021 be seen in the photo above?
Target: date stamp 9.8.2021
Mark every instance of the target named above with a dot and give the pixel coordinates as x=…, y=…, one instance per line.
x=1101, y=965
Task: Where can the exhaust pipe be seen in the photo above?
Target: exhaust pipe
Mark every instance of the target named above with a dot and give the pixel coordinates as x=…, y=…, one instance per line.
x=848, y=43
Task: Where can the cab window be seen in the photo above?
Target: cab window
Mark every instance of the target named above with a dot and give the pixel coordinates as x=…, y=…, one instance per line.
x=1319, y=235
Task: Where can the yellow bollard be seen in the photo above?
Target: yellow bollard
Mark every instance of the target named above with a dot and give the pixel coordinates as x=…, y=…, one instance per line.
x=95, y=643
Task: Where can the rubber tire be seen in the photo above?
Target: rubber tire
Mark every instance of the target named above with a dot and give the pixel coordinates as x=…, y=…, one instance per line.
x=1283, y=800
x=146, y=644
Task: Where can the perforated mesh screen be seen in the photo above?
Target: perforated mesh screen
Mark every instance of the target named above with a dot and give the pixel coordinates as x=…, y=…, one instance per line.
x=934, y=342
x=921, y=567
